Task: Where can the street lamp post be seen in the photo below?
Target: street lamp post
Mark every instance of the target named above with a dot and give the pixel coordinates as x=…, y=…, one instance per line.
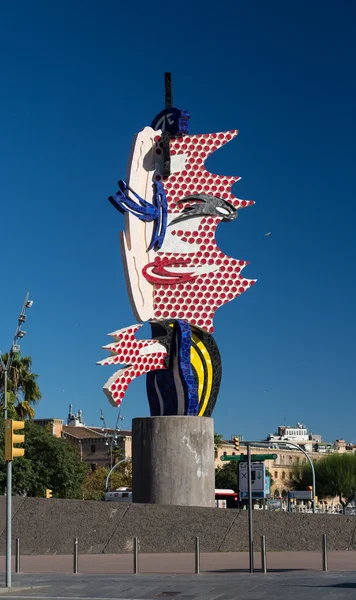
x=250, y=521
x=111, y=438
x=5, y=368
x=311, y=466
x=297, y=447
x=113, y=469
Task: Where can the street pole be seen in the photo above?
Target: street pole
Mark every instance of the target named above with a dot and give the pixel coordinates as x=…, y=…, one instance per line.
x=250, y=523
x=5, y=369
x=112, y=470
x=312, y=469
x=8, y=500
x=291, y=445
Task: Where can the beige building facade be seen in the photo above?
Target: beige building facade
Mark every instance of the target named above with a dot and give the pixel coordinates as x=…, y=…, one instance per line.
x=281, y=468
x=98, y=446
x=103, y=447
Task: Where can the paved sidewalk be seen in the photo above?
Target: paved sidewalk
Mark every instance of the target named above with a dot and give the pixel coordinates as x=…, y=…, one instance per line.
x=294, y=585
x=184, y=563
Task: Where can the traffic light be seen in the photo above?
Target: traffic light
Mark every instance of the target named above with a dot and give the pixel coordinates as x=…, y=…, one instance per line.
x=236, y=443
x=48, y=493
x=309, y=488
x=12, y=438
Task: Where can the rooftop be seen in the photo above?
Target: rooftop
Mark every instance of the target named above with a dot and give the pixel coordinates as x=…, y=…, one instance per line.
x=84, y=432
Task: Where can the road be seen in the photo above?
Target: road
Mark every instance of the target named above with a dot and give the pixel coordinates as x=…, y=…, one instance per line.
x=294, y=585
x=224, y=576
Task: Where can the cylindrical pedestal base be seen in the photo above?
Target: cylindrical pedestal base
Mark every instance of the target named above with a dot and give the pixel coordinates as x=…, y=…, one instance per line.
x=173, y=461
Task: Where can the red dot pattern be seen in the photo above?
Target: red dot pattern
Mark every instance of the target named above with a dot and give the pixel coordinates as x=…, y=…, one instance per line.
x=195, y=178
x=196, y=301
x=127, y=350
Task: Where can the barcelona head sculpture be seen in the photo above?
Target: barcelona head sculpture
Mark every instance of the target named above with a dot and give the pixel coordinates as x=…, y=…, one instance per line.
x=176, y=275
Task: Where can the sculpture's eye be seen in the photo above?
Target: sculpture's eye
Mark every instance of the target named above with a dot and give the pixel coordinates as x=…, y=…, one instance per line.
x=224, y=211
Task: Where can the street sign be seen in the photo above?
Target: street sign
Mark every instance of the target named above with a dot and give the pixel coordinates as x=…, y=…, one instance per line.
x=300, y=495
x=255, y=495
x=258, y=476
x=267, y=491
x=243, y=457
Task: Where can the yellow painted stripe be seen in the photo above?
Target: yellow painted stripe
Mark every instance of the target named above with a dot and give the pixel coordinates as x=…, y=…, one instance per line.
x=199, y=369
x=203, y=349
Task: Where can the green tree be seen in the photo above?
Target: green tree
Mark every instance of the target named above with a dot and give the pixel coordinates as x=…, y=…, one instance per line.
x=218, y=442
x=49, y=462
x=23, y=390
x=335, y=475
x=226, y=476
x=94, y=484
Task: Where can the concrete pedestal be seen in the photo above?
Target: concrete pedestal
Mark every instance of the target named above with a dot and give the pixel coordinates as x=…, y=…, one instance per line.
x=173, y=461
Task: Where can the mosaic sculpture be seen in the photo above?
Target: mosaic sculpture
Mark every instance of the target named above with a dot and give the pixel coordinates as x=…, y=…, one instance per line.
x=176, y=275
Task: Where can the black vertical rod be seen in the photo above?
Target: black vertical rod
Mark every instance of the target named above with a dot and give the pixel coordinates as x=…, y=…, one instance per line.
x=197, y=556
x=263, y=554
x=75, y=556
x=135, y=555
x=168, y=90
x=250, y=524
x=325, y=554
x=17, y=556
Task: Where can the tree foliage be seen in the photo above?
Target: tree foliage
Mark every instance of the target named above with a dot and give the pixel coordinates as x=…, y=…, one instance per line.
x=335, y=475
x=94, y=484
x=226, y=476
x=49, y=462
x=218, y=442
x=23, y=390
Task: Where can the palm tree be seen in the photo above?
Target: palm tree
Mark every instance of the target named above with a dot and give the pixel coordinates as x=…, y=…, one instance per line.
x=23, y=390
x=218, y=442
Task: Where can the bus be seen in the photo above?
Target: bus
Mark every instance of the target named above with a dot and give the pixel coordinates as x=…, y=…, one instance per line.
x=226, y=499
x=223, y=498
x=122, y=494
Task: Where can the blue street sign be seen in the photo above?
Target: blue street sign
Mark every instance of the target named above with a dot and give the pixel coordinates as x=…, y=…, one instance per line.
x=255, y=495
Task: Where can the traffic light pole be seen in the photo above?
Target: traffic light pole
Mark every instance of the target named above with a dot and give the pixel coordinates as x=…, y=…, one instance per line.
x=250, y=523
x=5, y=368
x=8, y=499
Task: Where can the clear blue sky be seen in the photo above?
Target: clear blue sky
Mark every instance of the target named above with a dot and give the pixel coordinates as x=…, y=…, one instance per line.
x=78, y=79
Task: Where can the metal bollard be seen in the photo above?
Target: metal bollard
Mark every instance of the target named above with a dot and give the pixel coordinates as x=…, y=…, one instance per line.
x=75, y=556
x=197, y=556
x=325, y=554
x=17, y=556
x=263, y=554
x=135, y=555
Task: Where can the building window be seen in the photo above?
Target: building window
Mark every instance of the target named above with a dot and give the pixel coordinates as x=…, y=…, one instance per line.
x=234, y=454
x=225, y=453
x=93, y=467
x=283, y=475
x=93, y=448
x=275, y=474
